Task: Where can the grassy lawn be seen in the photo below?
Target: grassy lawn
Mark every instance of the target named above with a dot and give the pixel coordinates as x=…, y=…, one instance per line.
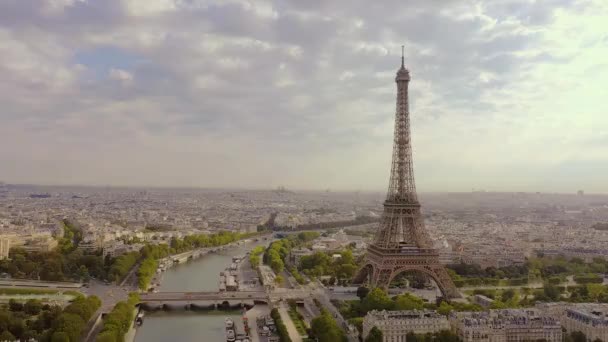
x=17, y=291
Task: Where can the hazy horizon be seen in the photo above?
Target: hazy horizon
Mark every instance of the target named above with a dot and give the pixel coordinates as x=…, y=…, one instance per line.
x=505, y=96
x=295, y=190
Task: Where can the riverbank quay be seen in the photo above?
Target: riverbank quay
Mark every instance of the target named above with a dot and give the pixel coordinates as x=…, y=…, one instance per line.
x=173, y=260
x=190, y=319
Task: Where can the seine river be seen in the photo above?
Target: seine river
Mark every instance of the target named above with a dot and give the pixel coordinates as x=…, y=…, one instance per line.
x=184, y=326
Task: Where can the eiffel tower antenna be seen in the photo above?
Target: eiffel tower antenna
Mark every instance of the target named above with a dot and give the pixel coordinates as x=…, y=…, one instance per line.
x=401, y=243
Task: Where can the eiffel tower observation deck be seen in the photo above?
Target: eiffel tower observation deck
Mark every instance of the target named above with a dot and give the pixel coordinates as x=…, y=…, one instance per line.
x=401, y=243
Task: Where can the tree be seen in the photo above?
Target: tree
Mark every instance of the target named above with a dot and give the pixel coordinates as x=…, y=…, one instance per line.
x=277, y=265
x=408, y=301
x=15, y=305
x=71, y=324
x=83, y=273
x=411, y=337
x=325, y=328
x=32, y=307
x=551, y=291
x=446, y=336
x=578, y=336
x=60, y=336
x=445, y=308
x=7, y=336
x=17, y=327
x=279, y=279
x=375, y=335
x=377, y=299
x=362, y=292
x=498, y=304
x=106, y=336
x=507, y=295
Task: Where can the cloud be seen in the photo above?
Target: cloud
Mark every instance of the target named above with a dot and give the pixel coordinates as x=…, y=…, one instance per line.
x=259, y=93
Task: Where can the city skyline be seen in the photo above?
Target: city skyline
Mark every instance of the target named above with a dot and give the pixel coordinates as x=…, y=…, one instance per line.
x=505, y=97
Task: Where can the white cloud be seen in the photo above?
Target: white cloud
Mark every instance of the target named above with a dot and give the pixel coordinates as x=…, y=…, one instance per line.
x=123, y=76
x=505, y=95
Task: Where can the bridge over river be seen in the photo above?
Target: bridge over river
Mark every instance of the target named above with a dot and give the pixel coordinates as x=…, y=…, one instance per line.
x=205, y=296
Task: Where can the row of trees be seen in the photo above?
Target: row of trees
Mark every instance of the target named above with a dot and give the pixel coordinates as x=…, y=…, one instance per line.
x=121, y=265
x=146, y=272
x=117, y=323
x=378, y=299
x=191, y=242
x=281, y=328
x=254, y=256
x=324, y=328
x=70, y=324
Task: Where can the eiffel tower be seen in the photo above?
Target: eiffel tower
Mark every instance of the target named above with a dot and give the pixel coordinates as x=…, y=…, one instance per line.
x=401, y=243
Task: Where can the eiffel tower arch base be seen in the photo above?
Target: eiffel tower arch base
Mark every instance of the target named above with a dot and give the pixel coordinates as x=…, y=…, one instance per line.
x=379, y=271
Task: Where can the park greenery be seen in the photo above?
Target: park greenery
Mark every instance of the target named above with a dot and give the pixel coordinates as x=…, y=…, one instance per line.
x=374, y=335
x=525, y=296
x=378, y=299
x=46, y=323
x=276, y=255
x=340, y=269
x=118, y=322
x=324, y=328
x=281, y=328
x=53, y=265
x=537, y=269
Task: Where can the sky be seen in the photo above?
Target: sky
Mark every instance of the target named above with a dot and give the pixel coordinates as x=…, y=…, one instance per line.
x=506, y=95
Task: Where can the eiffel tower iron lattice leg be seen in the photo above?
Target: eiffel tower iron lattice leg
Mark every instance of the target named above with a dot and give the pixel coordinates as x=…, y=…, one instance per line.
x=401, y=243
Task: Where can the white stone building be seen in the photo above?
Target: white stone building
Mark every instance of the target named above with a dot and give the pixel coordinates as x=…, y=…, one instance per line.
x=510, y=325
x=590, y=319
x=396, y=324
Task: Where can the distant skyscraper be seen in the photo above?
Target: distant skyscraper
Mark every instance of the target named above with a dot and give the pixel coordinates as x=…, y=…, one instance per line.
x=401, y=243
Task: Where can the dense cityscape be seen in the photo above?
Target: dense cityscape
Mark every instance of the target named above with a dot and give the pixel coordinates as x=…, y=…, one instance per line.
x=524, y=261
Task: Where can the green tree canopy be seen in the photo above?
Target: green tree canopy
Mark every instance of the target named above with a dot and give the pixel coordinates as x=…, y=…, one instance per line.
x=60, y=336
x=377, y=299
x=375, y=335
x=325, y=328
x=407, y=301
x=32, y=306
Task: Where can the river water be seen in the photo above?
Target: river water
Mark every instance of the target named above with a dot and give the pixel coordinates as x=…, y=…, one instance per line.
x=184, y=326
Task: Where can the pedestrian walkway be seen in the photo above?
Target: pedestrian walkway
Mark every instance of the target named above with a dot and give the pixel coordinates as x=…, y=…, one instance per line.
x=291, y=328
x=252, y=315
